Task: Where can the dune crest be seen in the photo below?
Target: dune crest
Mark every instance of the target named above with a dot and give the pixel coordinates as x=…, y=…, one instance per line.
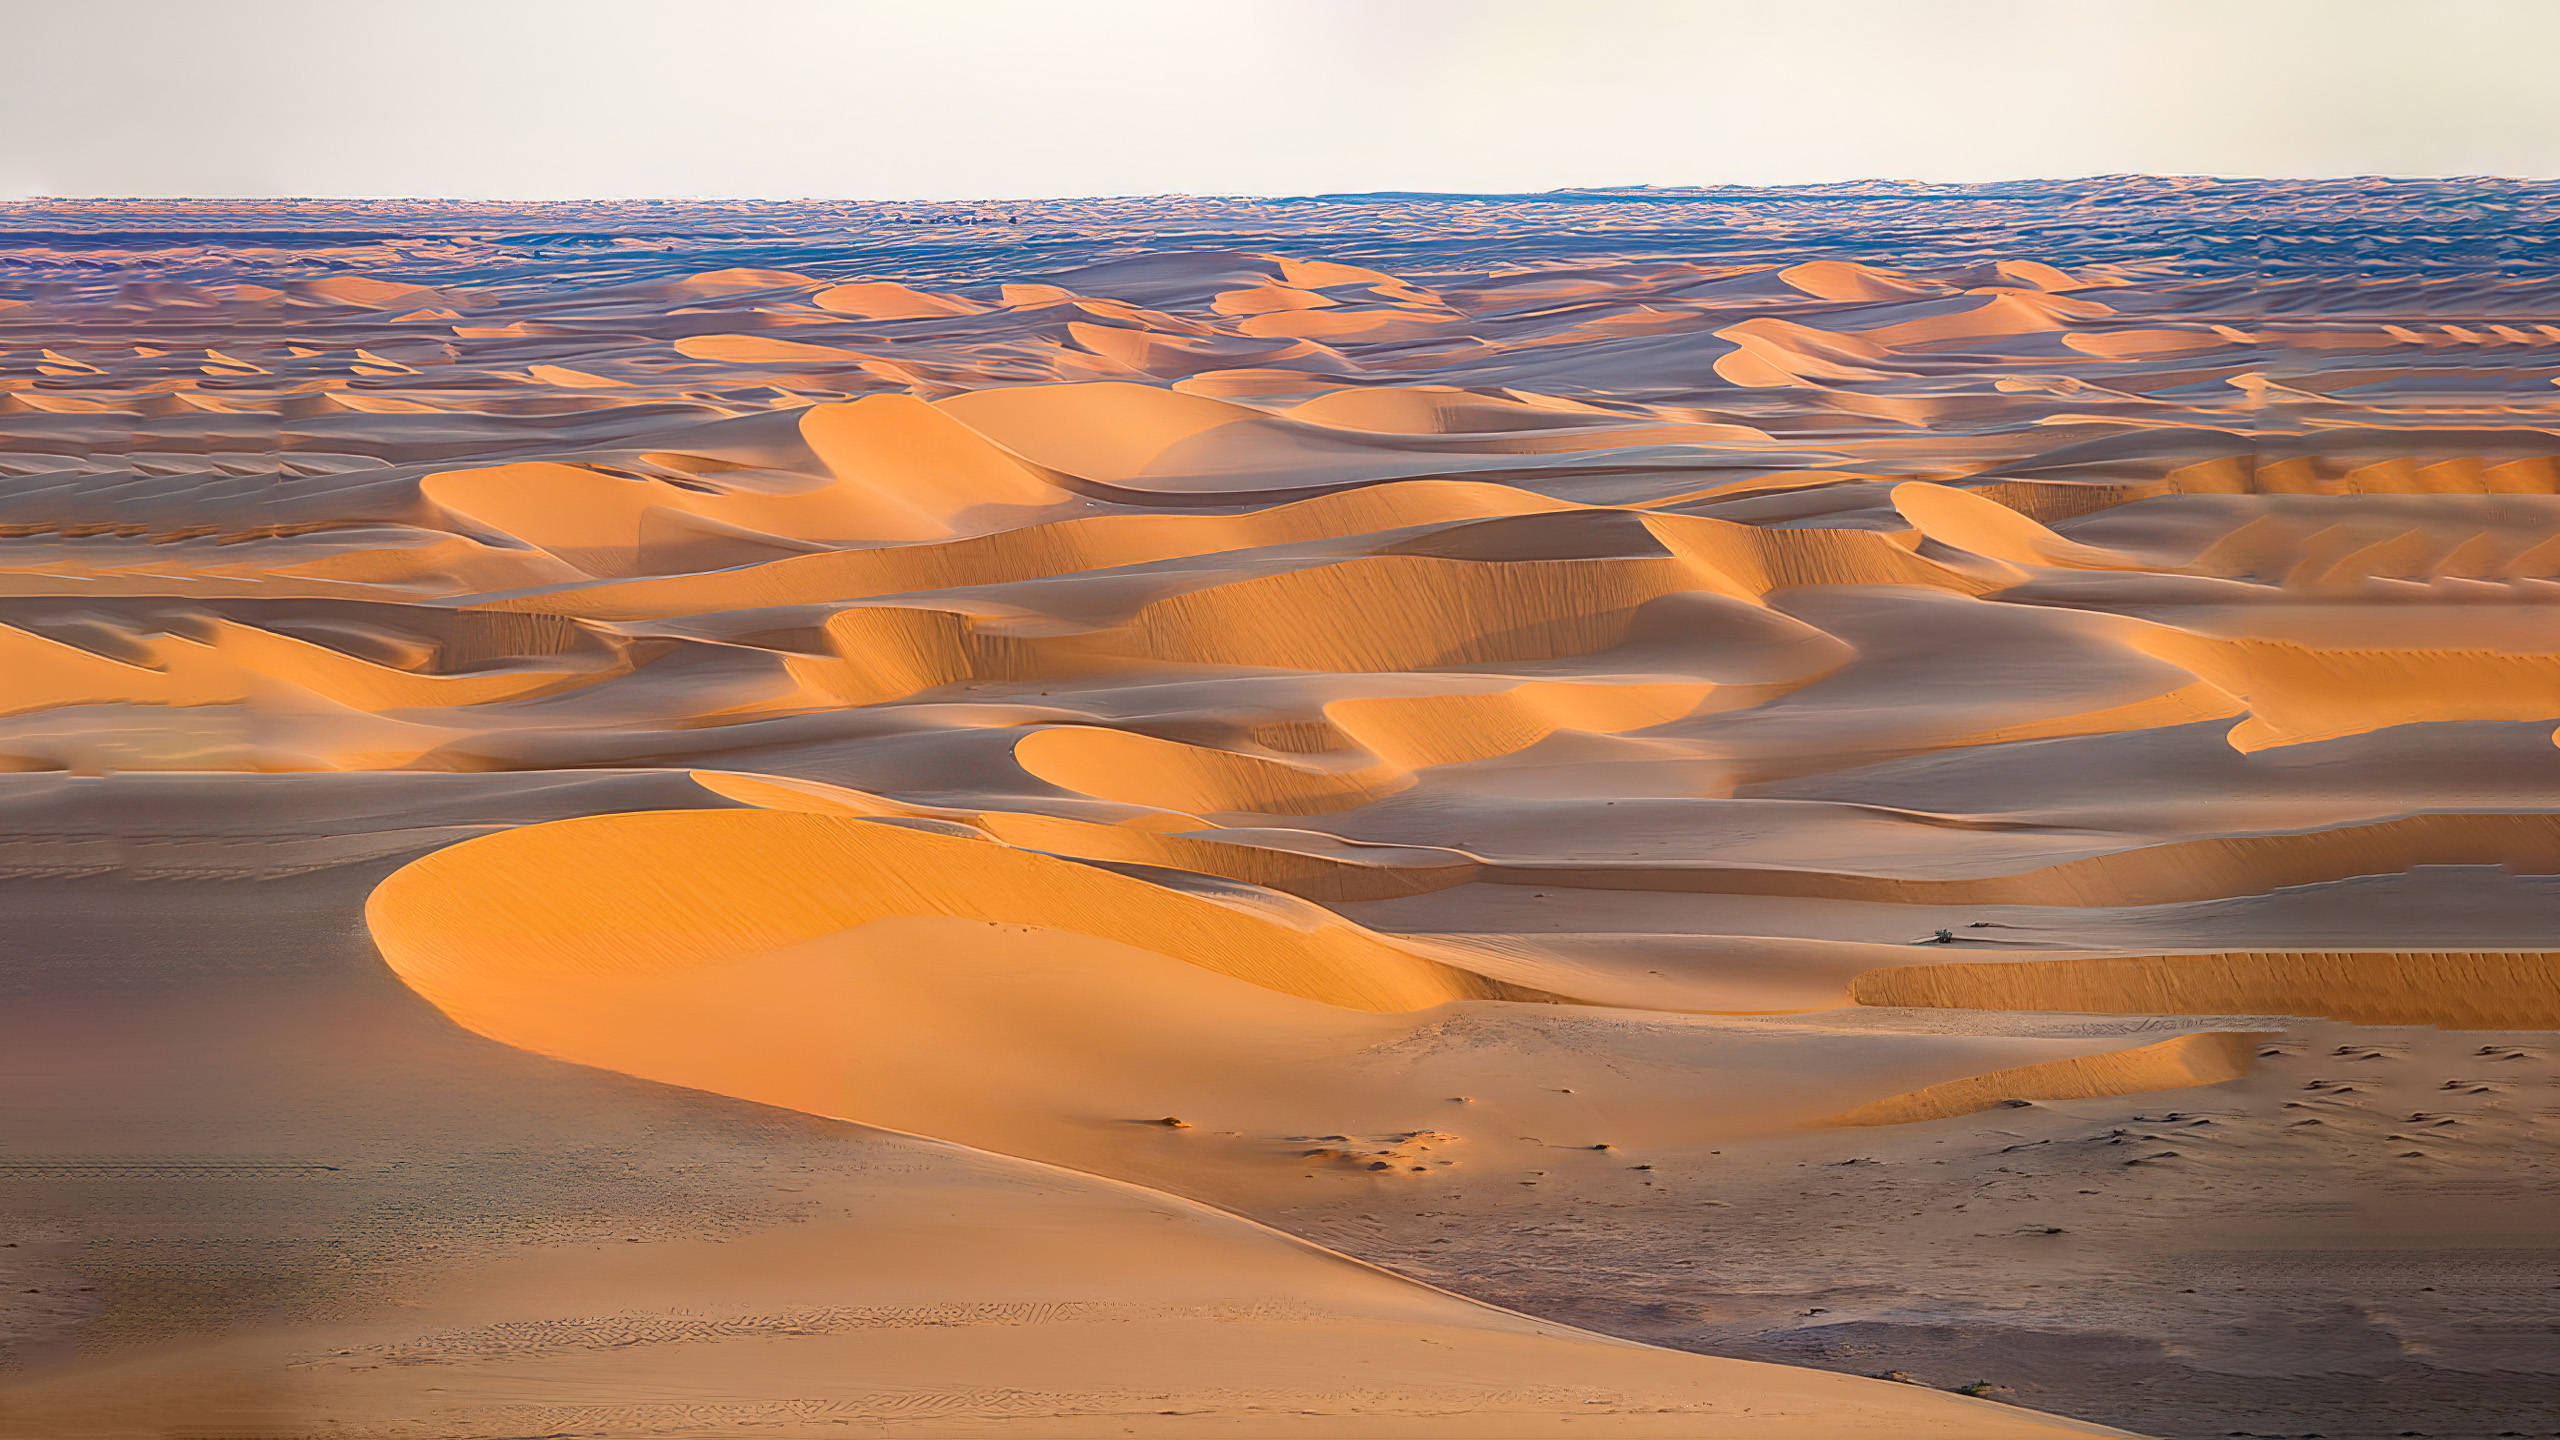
x=2178, y=1064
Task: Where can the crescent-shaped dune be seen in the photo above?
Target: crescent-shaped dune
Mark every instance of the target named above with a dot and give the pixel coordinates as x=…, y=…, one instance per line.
x=1416, y=731
x=1849, y=280
x=889, y=300
x=915, y=974
x=791, y=877
x=1166, y=774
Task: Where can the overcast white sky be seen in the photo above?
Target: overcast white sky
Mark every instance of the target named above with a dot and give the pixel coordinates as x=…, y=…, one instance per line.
x=967, y=99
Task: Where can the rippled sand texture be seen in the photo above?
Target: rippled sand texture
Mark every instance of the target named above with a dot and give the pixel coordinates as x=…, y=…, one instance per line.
x=1905, y=781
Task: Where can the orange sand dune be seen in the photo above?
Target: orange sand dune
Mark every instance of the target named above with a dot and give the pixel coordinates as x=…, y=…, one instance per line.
x=1849, y=280
x=873, y=969
x=889, y=300
x=2296, y=693
x=2189, y=1060
x=1118, y=765
x=1170, y=447
x=1100, y=542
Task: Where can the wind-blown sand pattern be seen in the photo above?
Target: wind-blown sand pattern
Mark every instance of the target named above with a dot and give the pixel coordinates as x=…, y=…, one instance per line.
x=679, y=819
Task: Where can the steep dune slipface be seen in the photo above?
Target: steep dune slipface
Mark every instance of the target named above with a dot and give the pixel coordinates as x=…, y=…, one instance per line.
x=1706, y=766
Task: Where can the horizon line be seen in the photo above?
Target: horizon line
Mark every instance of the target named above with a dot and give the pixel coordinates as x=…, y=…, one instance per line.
x=1561, y=192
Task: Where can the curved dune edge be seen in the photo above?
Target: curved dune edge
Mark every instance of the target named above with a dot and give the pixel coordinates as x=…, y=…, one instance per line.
x=1404, y=733
x=2297, y=694
x=2526, y=842
x=1743, y=562
x=1164, y=839
x=1419, y=731
x=1985, y=527
x=235, y=663
x=1169, y=775
x=2178, y=1064
x=2451, y=989
x=1749, y=561
x=1325, y=620
x=893, y=468
x=650, y=958
x=591, y=895
x=1365, y=872
x=781, y=792
x=614, y=525
x=2168, y=873
x=871, y=970
x=1175, y=446
x=1057, y=547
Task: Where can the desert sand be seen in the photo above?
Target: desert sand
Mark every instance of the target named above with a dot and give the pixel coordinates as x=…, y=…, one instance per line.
x=1383, y=816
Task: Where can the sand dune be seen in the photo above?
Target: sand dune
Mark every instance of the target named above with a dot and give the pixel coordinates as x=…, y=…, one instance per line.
x=2298, y=693
x=1033, y=552
x=2462, y=989
x=2178, y=1064
x=812, y=876
x=889, y=300
x=1166, y=774
x=1704, y=766
x=873, y=969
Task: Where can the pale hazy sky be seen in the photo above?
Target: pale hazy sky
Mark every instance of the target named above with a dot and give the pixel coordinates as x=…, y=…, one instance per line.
x=964, y=99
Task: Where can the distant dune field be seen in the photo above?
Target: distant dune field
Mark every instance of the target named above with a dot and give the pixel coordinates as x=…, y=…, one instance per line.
x=1368, y=816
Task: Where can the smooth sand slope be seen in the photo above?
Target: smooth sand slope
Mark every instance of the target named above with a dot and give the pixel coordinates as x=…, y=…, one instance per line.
x=793, y=820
